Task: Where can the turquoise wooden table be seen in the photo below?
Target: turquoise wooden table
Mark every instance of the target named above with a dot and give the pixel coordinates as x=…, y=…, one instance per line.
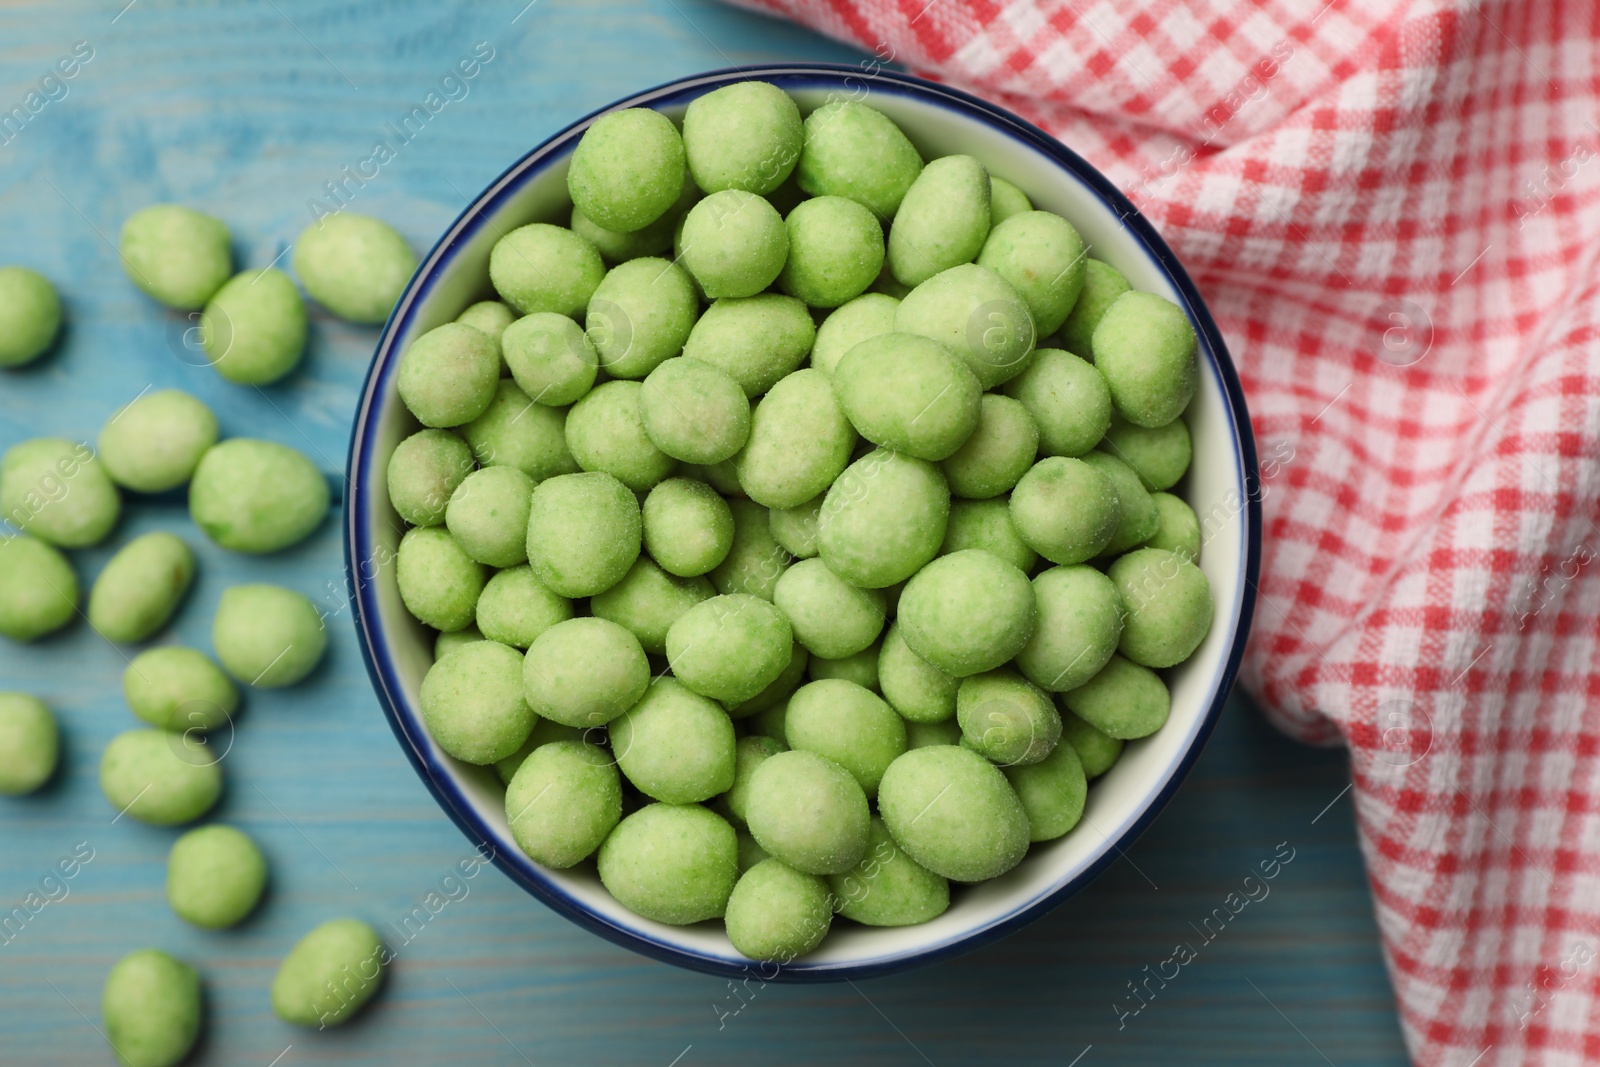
x=249, y=110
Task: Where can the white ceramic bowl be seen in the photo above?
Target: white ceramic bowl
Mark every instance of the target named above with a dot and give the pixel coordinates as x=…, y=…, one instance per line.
x=1220, y=486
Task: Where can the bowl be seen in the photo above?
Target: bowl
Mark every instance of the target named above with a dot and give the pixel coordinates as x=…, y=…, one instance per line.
x=1221, y=487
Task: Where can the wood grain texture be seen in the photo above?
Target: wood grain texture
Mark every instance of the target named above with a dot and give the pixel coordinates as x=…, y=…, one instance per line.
x=240, y=111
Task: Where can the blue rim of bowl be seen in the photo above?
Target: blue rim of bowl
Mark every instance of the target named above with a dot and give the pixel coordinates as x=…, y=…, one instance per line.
x=408, y=728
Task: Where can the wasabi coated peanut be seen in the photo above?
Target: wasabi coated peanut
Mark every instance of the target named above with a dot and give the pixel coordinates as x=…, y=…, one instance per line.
x=795, y=529
x=151, y=1009
x=1043, y=257
x=640, y=315
x=1179, y=528
x=156, y=777
x=628, y=169
x=1080, y=621
x=1124, y=700
x=674, y=863
x=747, y=135
x=1102, y=284
x=779, y=689
x=734, y=243
x=550, y=357
x=954, y=813
x=1067, y=399
x=1096, y=749
x=1005, y=200
x=154, y=443
x=923, y=734
x=835, y=251
x=488, y=515
x=731, y=647
x=943, y=220
x=675, y=745
x=809, y=812
x=860, y=669
x=450, y=640
x=1066, y=510
x=490, y=317
x=1145, y=347
x=448, y=375
x=755, y=561
x=563, y=800
x=694, y=411
x=688, y=527
x=908, y=393
x=978, y=315
x=888, y=887
x=424, y=470
x=30, y=315
x=540, y=267
x=856, y=151
x=472, y=702
x=354, y=265
x=38, y=589
x=967, y=612
x=1006, y=718
x=777, y=912
x=177, y=688
x=583, y=533
x=831, y=617
x=849, y=725
x=999, y=451
x=514, y=431
x=1160, y=455
x=177, y=255
x=852, y=322
x=57, y=490
x=515, y=608
x=330, y=974
x=140, y=587
x=215, y=875
x=755, y=339
x=30, y=744
x=648, y=601
x=1139, y=518
x=883, y=518
x=439, y=583
x=254, y=329
x=915, y=688
x=584, y=672
x=800, y=441
x=267, y=636
x=1052, y=792
x=257, y=496
x=1169, y=606
x=749, y=753
x=605, y=432
x=987, y=524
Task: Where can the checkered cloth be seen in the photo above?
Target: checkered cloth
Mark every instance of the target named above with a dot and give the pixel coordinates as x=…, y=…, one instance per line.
x=1392, y=211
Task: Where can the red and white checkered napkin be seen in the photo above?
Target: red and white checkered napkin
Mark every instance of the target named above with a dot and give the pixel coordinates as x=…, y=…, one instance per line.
x=1393, y=211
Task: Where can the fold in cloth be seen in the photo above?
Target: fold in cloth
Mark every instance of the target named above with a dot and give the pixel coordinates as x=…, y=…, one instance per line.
x=1391, y=211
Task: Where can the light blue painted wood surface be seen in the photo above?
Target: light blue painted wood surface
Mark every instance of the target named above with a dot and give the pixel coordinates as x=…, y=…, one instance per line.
x=244, y=113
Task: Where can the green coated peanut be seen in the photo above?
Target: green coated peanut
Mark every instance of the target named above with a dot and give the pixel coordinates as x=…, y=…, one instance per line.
x=257, y=496
x=254, y=329
x=155, y=443
x=141, y=587
x=177, y=255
